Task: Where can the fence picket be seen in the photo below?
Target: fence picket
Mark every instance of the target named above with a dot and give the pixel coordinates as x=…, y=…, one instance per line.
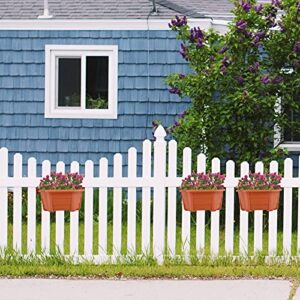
x=17, y=205
x=273, y=219
x=200, y=215
x=287, y=208
x=60, y=218
x=258, y=218
x=46, y=169
x=215, y=218
x=88, y=210
x=244, y=216
x=229, y=213
x=31, y=208
x=131, y=212
x=298, y=224
x=159, y=201
x=117, y=208
x=172, y=193
x=3, y=198
x=74, y=219
x=146, y=198
x=186, y=215
x=103, y=173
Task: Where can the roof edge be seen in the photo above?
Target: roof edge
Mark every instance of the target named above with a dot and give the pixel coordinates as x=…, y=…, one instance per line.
x=97, y=24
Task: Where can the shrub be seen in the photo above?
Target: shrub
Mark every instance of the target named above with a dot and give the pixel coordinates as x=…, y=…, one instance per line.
x=242, y=84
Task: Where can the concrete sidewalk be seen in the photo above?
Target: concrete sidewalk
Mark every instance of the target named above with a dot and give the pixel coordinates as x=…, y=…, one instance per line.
x=61, y=289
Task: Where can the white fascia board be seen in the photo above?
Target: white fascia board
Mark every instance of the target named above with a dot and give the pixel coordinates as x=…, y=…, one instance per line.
x=291, y=147
x=103, y=24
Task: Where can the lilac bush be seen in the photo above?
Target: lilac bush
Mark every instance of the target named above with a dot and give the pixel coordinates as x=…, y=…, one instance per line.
x=258, y=181
x=202, y=181
x=236, y=80
x=59, y=181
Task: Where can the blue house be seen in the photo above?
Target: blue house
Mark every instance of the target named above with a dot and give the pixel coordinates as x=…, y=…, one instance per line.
x=84, y=79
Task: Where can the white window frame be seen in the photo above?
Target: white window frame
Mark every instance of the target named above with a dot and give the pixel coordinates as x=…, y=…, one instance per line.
x=52, y=53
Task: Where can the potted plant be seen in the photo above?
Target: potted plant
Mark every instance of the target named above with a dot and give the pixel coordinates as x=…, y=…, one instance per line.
x=259, y=191
x=201, y=191
x=61, y=191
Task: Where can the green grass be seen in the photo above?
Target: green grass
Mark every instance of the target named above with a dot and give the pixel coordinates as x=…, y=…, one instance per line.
x=138, y=240
x=13, y=265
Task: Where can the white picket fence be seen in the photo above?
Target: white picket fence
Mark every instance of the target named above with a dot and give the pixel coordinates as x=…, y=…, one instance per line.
x=159, y=183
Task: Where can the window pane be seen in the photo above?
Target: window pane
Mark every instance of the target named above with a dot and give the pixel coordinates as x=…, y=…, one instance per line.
x=97, y=82
x=292, y=135
x=69, y=81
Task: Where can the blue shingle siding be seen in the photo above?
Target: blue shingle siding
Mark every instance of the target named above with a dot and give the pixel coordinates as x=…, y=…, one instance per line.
x=23, y=127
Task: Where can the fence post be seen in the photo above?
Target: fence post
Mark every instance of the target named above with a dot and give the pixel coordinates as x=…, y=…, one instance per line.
x=3, y=198
x=31, y=209
x=287, y=208
x=17, y=205
x=159, y=200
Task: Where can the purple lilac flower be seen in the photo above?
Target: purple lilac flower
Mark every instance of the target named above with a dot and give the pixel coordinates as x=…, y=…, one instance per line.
x=271, y=19
x=199, y=43
x=257, y=37
x=225, y=61
x=258, y=8
x=265, y=79
x=224, y=49
x=178, y=21
x=183, y=114
x=241, y=25
x=174, y=90
x=298, y=5
x=276, y=3
x=296, y=63
x=183, y=51
x=297, y=48
x=196, y=33
x=181, y=76
x=253, y=68
x=223, y=70
x=246, y=6
x=277, y=79
x=240, y=80
x=211, y=58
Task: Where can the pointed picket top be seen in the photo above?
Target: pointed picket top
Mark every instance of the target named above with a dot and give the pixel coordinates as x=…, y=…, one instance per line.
x=160, y=132
x=288, y=167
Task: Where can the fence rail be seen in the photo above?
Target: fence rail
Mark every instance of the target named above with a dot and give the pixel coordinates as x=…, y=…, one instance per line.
x=159, y=183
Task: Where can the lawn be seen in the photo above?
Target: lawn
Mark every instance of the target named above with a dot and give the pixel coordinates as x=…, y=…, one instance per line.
x=138, y=239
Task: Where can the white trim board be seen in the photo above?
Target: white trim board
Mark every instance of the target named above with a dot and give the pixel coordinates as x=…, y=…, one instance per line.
x=51, y=108
x=103, y=24
x=291, y=147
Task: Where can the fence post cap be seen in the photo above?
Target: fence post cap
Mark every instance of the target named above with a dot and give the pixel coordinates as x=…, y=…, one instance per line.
x=160, y=132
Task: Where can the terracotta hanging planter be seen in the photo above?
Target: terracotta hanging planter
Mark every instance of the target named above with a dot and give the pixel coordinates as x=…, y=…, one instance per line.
x=61, y=191
x=66, y=200
x=194, y=200
x=259, y=191
x=251, y=200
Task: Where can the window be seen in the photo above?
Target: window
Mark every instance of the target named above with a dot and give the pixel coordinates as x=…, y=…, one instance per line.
x=81, y=81
x=292, y=137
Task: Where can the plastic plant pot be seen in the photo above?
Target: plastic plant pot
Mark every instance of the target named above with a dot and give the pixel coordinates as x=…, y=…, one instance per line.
x=251, y=200
x=66, y=200
x=194, y=200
